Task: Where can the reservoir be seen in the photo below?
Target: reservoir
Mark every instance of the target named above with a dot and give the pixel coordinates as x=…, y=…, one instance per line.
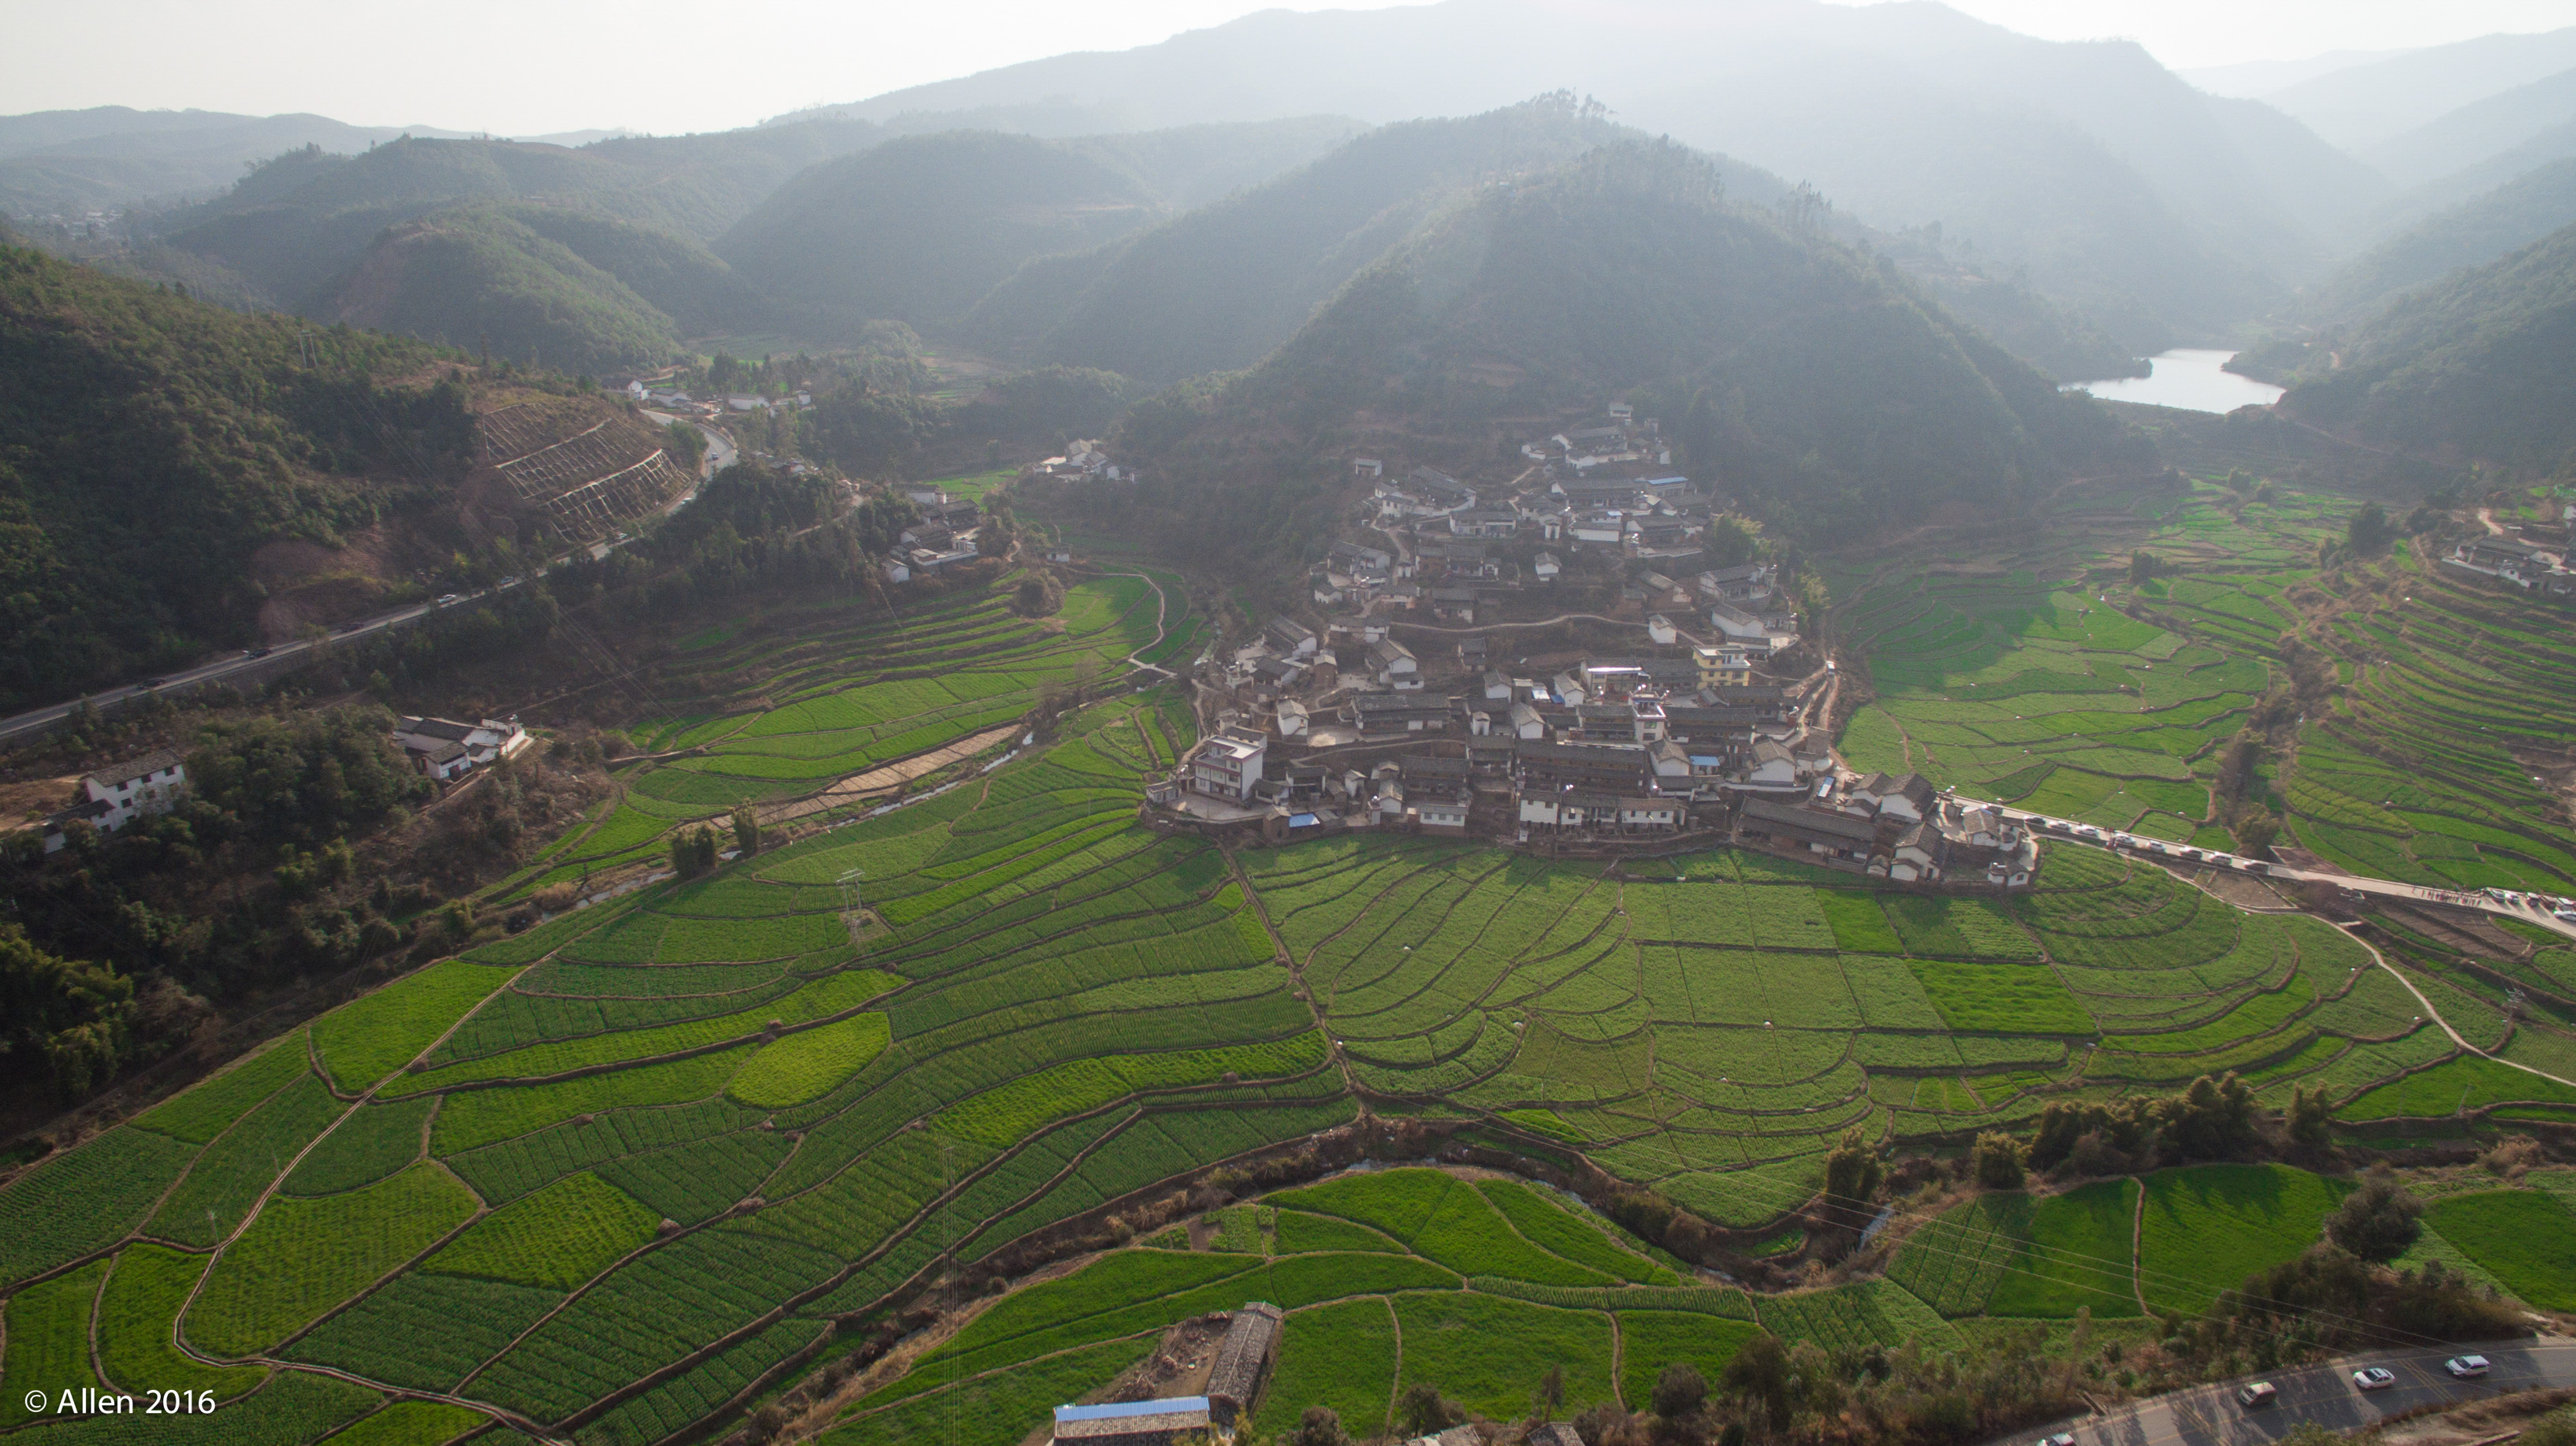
x=2188, y=379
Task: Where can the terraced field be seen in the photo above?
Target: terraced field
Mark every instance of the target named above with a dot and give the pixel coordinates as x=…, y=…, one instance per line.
x=622, y=1173
x=2016, y=679
x=788, y=709
x=1710, y=1024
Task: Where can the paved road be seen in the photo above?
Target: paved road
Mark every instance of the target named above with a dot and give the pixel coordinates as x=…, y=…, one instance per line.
x=2209, y=1415
x=2381, y=888
x=720, y=454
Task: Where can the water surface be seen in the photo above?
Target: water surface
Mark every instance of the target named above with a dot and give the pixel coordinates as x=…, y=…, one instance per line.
x=2188, y=379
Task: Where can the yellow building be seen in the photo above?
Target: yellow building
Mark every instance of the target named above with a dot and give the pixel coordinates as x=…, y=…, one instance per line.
x=1723, y=667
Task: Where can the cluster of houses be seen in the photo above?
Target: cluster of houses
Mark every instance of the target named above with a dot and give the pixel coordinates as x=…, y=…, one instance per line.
x=445, y=749
x=1898, y=828
x=945, y=535
x=2526, y=565
x=1082, y=461
x=1464, y=551
x=1237, y=1371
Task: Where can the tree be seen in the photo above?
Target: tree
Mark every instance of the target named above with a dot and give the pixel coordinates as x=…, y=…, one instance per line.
x=1679, y=1390
x=693, y=852
x=2369, y=532
x=1760, y=1374
x=2212, y=1119
x=2379, y=1220
x=69, y=1012
x=746, y=830
x=1425, y=1412
x=1551, y=1393
x=2311, y=1117
x=1996, y=1160
x=1852, y=1173
x=2255, y=828
x=1319, y=1426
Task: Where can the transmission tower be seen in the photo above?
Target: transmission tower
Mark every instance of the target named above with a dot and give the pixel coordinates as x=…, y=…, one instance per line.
x=854, y=914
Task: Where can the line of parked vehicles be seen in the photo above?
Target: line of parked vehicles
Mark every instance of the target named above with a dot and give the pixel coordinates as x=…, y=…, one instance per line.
x=2255, y=1395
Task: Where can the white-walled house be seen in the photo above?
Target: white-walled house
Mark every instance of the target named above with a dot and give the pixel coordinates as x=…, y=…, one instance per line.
x=484, y=742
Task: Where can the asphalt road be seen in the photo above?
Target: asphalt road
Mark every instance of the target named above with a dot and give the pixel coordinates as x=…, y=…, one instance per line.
x=2209, y=1415
x=720, y=454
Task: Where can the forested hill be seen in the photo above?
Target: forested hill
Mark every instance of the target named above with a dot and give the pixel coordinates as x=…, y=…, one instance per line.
x=150, y=444
x=2480, y=366
x=1218, y=288
x=1804, y=378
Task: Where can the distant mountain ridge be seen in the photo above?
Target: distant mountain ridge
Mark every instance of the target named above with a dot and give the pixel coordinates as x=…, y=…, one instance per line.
x=2125, y=191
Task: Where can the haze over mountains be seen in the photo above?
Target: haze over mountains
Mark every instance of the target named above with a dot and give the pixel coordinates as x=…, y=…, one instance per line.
x=1190, y=207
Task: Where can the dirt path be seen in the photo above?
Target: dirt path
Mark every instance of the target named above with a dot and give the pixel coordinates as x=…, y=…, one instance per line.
x=1162, y=611
x=2435, y=1015
x=883, y=779
x=2486, y=517
x=2138, y=1252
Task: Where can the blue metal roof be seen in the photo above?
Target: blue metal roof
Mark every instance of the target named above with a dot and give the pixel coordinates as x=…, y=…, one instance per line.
x=1131, y=1408
x=1301, y=820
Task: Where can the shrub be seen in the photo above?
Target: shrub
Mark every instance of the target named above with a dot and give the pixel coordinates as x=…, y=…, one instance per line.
x=1997, y=1161
x=2379, y=1221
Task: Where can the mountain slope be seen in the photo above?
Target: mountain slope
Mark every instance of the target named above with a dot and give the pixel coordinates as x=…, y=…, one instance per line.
x=2480, y=366
x=2477, y=132
x=111, y=157
x=2124, y=189
x=1812, y=383
x=2361, y=106
x=2470, y=234
x=1217, y=288
x=483, y=279
x=149, y=446
x=917, y=229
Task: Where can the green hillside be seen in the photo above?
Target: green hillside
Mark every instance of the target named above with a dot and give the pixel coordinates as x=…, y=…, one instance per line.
x=1805, y=379
x=2481, y=365
x=303, y=218
x=149, y=445
x=917, y=229
x=1219, y=288
x=483, y=280
x=2472, y=233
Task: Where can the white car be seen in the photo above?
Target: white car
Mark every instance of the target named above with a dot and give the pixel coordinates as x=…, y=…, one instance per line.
x=2373, y=1378
x=2467, y=1368
x=2062, y=1438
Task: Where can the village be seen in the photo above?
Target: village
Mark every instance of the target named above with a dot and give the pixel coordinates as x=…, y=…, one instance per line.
x=1593, y=658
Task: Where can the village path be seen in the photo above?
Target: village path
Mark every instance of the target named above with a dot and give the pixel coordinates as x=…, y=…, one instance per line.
x=2435, y=1015
x=1162, y=612
x=2486, y=517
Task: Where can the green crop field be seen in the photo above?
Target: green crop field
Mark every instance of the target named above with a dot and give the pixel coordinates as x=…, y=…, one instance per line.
x=618, y=1172
x=2208, y=1227
x=2524, y=1238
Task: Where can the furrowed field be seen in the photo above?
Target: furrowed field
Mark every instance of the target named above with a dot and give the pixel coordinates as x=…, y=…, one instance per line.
x=624, y=1173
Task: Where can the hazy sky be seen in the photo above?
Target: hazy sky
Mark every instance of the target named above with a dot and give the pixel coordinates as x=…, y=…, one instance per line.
x=533, y=66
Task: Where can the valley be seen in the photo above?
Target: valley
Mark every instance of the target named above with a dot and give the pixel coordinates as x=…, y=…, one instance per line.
x=1453, y=725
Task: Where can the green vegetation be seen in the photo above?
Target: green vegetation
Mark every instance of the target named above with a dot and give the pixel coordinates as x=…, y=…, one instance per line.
x=805, y=1065
x=149, y=1285
x=48, y=1346
x=558, y=1237
x=2209, y=1227
x=2525, y=1238
x=1650, y=1340
x=1484, y=1353
x=302, y=1257
x=2079, y=1256
x=175, y=429
x=361, y=1043
x=1341, y=1356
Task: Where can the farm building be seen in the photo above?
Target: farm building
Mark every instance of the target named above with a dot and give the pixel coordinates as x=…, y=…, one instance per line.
x=1243, y=1360
x=1173, y=1421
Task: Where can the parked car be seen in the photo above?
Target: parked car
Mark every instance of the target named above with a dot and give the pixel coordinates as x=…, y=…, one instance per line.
x=2062, y=1438
x=260, y=652
x=2373, y=1378
x=445, y=598
x=2467, y=1368
x=2260, y=1393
